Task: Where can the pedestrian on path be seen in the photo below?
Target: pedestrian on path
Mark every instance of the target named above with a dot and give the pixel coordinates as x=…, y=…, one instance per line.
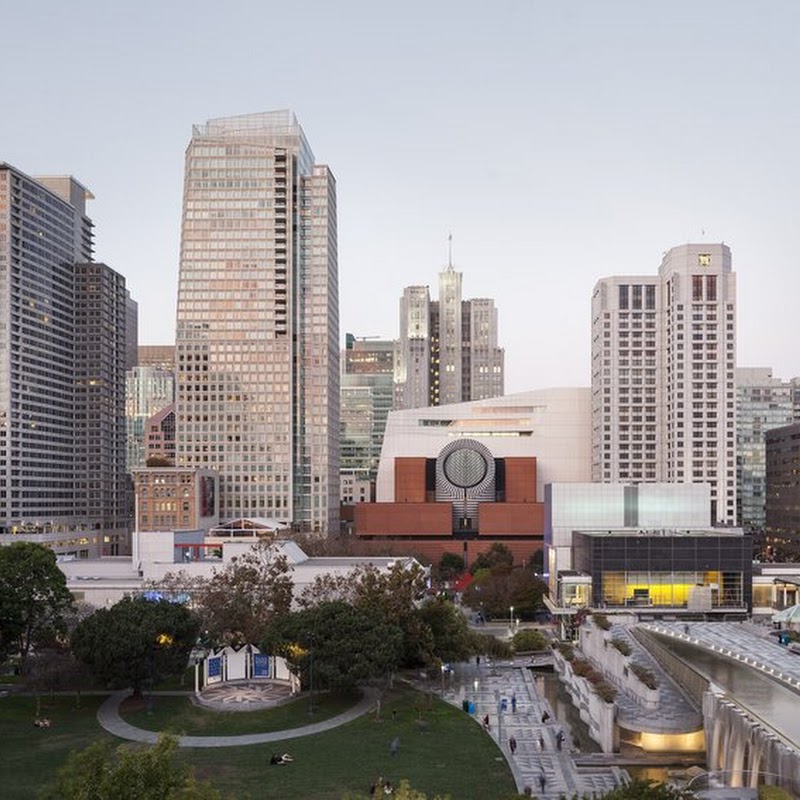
x=542, y=781
x=559, y=740
x=514, y=703
x=541, y=742
x=545, y=717
x=512, y=744
x=486, y=722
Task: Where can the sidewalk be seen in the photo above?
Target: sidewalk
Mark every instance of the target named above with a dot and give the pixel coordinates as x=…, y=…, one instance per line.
x=531, y=760
x=110, y=720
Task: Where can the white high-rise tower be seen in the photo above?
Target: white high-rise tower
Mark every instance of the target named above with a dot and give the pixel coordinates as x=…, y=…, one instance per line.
x=663, y=386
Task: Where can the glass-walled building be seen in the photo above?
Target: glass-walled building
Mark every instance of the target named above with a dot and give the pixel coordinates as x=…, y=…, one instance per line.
x=698, y=571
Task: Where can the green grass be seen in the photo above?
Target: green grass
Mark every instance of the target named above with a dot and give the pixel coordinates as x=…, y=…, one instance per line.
x=447, y=752
x=180, y=716
x=32, y=757
x=442, y=751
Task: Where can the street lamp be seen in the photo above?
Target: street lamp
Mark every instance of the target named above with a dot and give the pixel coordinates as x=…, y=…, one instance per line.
x=511, y=620
x=311, y=673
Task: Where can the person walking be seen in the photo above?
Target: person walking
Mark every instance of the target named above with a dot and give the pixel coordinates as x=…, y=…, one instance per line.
x=545, y=717
x=541, y=742
x=486, y=722
x=559, y=740
x=513, y=703
x=542, y=781
x=512, y=744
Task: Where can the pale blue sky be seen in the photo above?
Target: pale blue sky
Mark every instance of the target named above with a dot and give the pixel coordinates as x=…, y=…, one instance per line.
x=558, y=141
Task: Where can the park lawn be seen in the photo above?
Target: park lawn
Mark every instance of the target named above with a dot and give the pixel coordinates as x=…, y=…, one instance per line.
x=180, y=716
x=442, y=750
x=31, y=757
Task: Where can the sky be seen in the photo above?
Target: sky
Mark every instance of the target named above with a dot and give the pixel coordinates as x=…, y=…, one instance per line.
x=558, y=142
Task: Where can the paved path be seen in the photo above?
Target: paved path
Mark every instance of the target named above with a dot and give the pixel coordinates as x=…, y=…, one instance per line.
x=531, y=760
x=109, y=718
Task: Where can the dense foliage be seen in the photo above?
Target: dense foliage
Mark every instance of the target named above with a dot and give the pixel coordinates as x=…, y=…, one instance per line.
x=34, y=599
x=136, y=641
x=337, y=645
x=101, y=772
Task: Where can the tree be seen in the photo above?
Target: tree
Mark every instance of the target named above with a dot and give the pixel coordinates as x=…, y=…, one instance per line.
x=348, y=644
x=34, y=598
x=497, y=556
x=101, y=772
x=496, y=590
x=136, y=641
x=450, y=566
x=238, y=604
x=392, y=594
x=451, y=637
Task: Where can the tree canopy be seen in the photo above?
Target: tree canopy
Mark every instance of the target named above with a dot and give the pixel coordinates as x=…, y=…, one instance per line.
x=34, y=598
x=347, y=644
x=136, y=641
x=451, y=636
x=393, y=594
x=238, y=604
x=102, y=772
x=496, y=590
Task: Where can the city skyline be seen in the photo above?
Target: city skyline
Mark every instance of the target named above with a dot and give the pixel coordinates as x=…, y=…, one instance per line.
x=557, y=145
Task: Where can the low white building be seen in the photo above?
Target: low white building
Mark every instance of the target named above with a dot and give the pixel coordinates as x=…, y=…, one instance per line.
x=105, y=581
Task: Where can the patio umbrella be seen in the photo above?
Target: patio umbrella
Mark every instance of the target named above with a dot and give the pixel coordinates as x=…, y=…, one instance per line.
x=790, y=614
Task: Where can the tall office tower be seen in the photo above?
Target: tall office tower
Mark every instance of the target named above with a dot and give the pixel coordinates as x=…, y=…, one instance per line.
x=367, y=396
x=447, y=351
x=156, y=355
x=663, y=360
x=762, y=403
x=103, y=311
x=62, y=343
x=148, y=390
x=257, y=355
x=783, y=492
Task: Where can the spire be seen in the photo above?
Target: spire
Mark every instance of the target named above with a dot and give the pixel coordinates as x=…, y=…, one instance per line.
x=450, y=251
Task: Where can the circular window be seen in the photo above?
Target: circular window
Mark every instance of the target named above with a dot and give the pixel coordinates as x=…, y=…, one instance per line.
x=465, y=468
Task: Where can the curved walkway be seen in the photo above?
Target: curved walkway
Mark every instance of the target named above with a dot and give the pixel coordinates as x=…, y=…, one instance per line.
x=109, y=718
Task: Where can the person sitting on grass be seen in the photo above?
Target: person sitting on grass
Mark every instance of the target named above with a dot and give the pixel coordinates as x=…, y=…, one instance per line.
x=44, y=722
x=279, y=761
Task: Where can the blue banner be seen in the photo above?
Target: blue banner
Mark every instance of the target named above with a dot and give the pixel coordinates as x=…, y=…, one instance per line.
x=215, y=667
x=260, y=665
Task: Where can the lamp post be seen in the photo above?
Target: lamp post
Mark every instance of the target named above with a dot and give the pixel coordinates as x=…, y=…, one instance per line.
x=311, y=674
x=511, y=620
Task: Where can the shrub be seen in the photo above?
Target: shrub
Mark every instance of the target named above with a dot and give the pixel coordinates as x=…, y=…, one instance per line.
x=645, y=675
x=566, y=650
x=528, y=640
x=623, y=646
x=773, y=793
x=581, y=667
x=601, y=620
x=605, y=691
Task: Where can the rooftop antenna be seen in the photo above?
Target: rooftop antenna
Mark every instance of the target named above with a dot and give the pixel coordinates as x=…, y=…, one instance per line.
x=450, y=251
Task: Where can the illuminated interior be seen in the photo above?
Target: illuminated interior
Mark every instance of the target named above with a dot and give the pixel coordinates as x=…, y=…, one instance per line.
x=670, y=588
x=692, y=742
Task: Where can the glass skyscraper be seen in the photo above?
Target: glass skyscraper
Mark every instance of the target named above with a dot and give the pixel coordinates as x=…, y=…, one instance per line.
x=257, y=358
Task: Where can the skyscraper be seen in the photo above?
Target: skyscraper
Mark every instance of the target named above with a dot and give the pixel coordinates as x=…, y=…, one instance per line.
x=447, y=351
x=762, y=403
x=663, y=360
x=367, y=393
x=63, y=346
x=257, y=358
